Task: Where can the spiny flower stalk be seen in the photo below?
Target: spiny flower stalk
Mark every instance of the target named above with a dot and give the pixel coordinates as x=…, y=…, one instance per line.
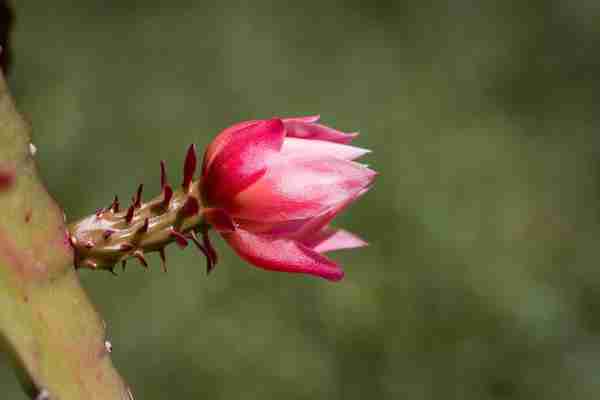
x=110, y=236
x=269, y=187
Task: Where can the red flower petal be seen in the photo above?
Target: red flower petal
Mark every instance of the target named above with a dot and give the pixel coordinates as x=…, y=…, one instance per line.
x=221, y=140
x=317, y=225
x=303, y=129
x=242, y=160
x=298, y=228
x=282, y=255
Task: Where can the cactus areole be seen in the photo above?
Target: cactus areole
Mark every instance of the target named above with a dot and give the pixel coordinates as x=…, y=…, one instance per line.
x=269, y=187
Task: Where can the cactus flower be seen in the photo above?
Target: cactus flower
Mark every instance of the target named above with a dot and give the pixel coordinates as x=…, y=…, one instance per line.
x=269, y=187
x=277, y=184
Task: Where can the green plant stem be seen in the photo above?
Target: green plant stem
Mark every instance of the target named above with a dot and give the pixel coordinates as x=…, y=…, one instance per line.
x=47, y=324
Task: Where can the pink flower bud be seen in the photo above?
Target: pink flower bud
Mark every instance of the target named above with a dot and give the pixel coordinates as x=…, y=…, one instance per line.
x=281, y=182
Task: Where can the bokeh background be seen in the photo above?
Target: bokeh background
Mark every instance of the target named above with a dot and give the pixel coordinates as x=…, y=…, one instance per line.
x=482, y=278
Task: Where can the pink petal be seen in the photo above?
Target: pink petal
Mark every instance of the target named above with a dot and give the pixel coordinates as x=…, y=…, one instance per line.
x=307, y=130
x=221, y=140
x=282, y=255
x=242, y=160
x=300, y=188
x=308, y=119
x=320, y=148
x=299, y=229
x=329, y=239
x=316, y=225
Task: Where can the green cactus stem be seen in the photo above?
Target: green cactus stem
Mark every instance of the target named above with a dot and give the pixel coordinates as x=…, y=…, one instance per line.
x=112, y=235
x=47, y=324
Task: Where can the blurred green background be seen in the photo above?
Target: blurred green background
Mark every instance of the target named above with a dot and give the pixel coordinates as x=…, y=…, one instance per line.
x=482, y=279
